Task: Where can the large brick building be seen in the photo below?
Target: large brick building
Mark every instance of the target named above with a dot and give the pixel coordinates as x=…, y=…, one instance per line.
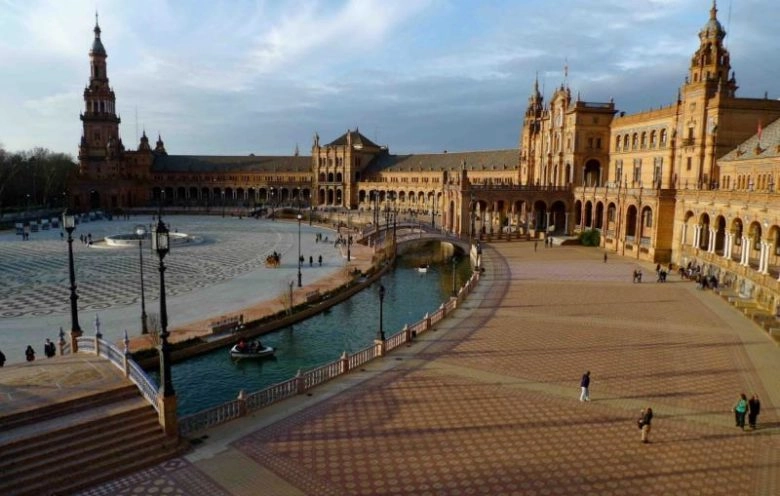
x=691, y=180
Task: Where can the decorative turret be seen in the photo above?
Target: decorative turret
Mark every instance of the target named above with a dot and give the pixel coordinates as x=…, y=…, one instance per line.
x=143, y=146
x=535, y=101
x=160, y=147
x=711, y=62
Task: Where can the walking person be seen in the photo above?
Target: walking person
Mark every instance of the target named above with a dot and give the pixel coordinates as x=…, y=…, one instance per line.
x=645, y=422
x=584, y=386
x=740, y=409
x=29, y=353
x=605, y=258
x=48, y=349
x=754, y=408
x=2, y=359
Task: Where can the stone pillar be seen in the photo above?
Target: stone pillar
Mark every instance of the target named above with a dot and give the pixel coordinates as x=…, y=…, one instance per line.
x=566, y=223
x=166, y=406
x=379, y=346
x=763, y=264
x=344, y=363
x=745, y=251
x=696, y=235
x=728, y=239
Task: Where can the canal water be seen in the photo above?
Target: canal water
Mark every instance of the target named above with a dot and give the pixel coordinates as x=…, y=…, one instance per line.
x=214, y=378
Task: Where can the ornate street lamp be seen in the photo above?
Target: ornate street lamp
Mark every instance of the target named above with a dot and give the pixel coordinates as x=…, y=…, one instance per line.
x=299, y=250
x=161, y=244
x=380, y=335
x=69, y=223
x=140, y=231
x=454, y=286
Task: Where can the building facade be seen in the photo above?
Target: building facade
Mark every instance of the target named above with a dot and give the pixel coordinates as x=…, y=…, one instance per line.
x=691, y=180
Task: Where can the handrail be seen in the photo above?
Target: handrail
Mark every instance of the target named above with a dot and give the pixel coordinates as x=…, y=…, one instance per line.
x=123, y=362
x=247, y=403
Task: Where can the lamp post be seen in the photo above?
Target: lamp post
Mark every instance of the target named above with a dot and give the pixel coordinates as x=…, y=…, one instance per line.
x=273, y=212
x=349, y=245
x=454, y=285
x=380, y=335
x=433, y=211
x=471, y=212
x=223, y=203
x=140, y=231
x=299, y=250
x=160, y=244
x=69, y=223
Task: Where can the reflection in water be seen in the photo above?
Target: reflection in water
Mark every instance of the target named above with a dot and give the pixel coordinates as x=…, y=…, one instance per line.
x=213, y=378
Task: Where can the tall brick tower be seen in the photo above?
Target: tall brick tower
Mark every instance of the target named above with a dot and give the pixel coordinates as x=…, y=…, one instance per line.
x=100, y=144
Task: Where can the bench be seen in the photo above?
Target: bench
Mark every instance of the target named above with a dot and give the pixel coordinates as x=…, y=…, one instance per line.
x=224, y=324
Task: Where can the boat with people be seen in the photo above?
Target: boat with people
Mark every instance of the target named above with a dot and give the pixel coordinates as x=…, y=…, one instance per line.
x=253, y=349
x=422, y=268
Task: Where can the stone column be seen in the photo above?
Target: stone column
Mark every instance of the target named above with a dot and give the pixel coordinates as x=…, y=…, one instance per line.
x=696, y=235
x=711, y=244
x=566, y=223
x=727, y=242
x=763, y=263
x=743, y=260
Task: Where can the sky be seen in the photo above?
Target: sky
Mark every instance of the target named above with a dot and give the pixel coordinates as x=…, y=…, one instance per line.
x=234, y=77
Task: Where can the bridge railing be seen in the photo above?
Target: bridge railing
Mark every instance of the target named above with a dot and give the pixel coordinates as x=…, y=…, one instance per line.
x=123, y=362
x=303, y=381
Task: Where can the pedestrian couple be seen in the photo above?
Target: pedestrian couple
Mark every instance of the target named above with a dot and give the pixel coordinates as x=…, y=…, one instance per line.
x=646, y=416
x=750, y=408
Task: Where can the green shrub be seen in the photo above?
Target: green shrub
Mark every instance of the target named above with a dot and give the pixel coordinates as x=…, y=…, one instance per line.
x=590, y=238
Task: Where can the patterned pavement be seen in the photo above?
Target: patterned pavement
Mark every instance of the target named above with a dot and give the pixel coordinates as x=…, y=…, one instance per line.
x=488, y=404
x=222, y=273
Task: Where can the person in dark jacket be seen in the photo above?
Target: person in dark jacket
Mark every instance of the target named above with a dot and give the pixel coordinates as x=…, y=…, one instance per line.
x=754, y=408
x=29, y=353
x=584, y=387
x=644, y=424
x=2, y=359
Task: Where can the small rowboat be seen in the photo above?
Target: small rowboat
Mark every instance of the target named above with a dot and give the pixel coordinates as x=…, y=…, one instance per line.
x=422, y=268
x=251, y=350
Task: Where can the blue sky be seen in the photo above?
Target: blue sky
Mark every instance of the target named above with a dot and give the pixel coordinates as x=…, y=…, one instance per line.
x=235, y=77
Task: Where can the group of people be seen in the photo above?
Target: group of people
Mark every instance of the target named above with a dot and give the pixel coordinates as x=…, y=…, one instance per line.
x=252, y=347
x=744, y=408
x=311, y=260
x=48, y=349
x=749, y=408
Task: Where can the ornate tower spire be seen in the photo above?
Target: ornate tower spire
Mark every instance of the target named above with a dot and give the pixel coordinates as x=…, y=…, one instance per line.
x=535, y=101
x=100, y=121
x=711, y=63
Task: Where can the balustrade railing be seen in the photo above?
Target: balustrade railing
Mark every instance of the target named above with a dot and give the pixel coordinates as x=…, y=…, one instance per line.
x=132, y=370
x=245, y=404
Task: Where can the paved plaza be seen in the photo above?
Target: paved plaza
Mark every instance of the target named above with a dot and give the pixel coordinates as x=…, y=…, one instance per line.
x=488, y=403
x=221, y=272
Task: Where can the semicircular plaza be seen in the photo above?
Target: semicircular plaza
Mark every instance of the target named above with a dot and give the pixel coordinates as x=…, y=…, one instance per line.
x=223, y=272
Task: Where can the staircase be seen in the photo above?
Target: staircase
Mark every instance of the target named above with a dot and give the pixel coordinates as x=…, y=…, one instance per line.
x=63, y=447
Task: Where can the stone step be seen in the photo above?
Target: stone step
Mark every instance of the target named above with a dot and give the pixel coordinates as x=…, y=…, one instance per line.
x=47, y=448
x=29, y=417
x=71, y=464
x=89, y=473
x=63, y=426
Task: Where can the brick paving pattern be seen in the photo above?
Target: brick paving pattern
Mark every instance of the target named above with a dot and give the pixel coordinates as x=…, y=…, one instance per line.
x=488, y=404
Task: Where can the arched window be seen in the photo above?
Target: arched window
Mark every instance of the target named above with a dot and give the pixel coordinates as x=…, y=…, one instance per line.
x=663, y=137
x=634, y=141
